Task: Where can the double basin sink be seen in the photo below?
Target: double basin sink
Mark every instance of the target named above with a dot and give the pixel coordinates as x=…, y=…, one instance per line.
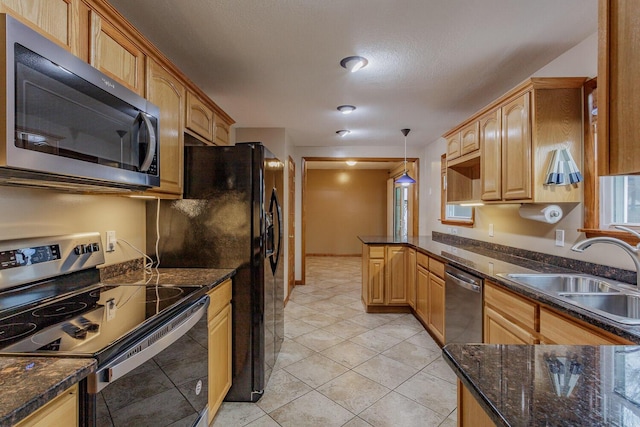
x=617, y=302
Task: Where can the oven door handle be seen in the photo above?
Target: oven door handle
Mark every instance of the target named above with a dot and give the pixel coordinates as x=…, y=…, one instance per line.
x=148, y=347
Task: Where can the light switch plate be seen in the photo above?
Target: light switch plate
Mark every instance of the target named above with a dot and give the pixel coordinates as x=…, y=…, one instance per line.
x=560, y=238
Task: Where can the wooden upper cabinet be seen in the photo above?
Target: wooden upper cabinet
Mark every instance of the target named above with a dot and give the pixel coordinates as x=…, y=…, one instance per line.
x=168, y=93
x=58, y=20
x=222, y=128
x=454, y=148
x=618, y=88
x=491, y=155
x=516, y=149
x=111, y=52
x=200, y=118
x=518, y=134
x=469, y=141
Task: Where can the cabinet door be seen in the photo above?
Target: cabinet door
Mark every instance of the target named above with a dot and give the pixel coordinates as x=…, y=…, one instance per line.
x=498, y=330
x=411, y=277
x=470, y=413
x=165, y=91
x=199, y=117
x=491, y=157
x=221, y=131
x=422, y=294
x=112, y=53
x=60, y=411
x=376, y=282
x=55, y=19
x=219, y=350
x=395, y=269
x=453, y=146
x=618, y=89
x=469, y=140
x=436, y=306
x=516, y=149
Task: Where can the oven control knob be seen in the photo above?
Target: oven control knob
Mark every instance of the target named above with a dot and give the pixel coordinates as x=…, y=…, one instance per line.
x=79, y=250
x=95, y=247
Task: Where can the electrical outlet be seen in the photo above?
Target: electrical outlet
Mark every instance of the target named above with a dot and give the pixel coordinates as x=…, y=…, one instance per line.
x=490, y=230
x=111, y=241
x=111, y=307
x=560, y=238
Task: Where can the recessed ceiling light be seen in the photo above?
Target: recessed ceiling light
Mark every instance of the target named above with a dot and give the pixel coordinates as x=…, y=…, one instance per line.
x=354, y=63
x=343, y=132
x=351, y=162
x=346, y=109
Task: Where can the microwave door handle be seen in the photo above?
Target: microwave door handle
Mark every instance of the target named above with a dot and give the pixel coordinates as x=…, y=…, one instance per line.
x=151, y=150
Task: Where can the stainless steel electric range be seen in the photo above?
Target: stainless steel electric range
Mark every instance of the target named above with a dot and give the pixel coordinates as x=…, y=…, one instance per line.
x=150, y=339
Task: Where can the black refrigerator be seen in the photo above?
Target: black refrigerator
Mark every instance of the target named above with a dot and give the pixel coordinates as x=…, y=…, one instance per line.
x=230, y=217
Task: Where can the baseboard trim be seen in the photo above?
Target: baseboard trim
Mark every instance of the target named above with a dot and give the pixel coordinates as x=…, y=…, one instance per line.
x=335, y=255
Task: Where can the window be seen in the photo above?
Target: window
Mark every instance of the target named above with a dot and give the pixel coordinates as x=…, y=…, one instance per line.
x=400, y=211
x=619, y=201
x=609, y=200
x=450, y=213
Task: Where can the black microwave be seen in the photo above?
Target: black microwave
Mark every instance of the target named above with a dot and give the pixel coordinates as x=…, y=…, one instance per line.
x=68, y=125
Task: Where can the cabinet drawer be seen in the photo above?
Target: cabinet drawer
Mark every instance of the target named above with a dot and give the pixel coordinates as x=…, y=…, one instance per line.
x=423, y=260
x=436, y=267
x=557, y=329
x=376, y=251
x=512, y=305
x=220, y=297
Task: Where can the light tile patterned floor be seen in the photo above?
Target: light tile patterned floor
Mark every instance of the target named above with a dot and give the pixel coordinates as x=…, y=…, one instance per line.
x=340, y=366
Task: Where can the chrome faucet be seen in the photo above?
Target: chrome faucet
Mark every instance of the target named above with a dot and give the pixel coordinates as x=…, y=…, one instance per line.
x=633, y=251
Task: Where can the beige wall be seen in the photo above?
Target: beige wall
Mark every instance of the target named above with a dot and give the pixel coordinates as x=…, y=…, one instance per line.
x=30, y=213
x=342, y=204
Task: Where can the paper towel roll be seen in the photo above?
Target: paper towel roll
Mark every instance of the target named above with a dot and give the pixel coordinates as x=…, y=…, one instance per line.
x=543, y=213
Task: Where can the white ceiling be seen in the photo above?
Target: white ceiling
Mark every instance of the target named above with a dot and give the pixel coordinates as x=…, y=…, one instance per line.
x=432, y=63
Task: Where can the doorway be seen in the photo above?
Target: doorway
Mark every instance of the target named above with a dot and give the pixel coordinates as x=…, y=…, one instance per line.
x=393, y=168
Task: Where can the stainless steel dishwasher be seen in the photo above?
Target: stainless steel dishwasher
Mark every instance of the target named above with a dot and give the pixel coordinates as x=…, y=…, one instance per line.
x=463, y=307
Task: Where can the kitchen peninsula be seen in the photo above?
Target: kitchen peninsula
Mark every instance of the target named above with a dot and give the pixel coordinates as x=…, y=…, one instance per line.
x=554, y=381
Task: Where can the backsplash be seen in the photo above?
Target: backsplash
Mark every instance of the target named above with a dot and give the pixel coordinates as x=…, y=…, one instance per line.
x=109, y=271
x=491, y=249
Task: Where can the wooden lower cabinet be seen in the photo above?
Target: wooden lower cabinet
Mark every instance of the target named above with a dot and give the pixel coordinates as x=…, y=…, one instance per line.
x=61, y=411
x=470, y=413
x=395, y=273
x=219, y=346
x=435, y=304
x=508, y=318
x=422, y=294
x=499, y=330
x=384, y=273
x=411, y=277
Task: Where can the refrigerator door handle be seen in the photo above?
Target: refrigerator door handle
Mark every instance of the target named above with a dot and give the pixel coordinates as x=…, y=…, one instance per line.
x=275, y=205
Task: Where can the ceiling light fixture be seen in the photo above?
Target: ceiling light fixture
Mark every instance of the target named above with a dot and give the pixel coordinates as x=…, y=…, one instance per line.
x=404, y=179
x=346, y=109
x=343, y=132
x=354, y=63
x=351, y=163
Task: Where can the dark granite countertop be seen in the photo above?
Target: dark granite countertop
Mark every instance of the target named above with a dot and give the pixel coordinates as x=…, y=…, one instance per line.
x=488, y=264
x=209, y=277
x=516, y=387
x=27, y=383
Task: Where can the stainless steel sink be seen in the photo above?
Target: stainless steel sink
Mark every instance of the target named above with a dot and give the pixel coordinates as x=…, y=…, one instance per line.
x=563, y=283
x=624, y=308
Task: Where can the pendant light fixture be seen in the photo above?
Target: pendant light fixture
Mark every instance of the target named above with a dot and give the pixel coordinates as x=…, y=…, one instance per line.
x=404, y=179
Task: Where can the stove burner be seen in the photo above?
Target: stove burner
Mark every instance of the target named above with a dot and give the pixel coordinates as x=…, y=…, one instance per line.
x=162, y=293
x=60, y=309
x=15, y=330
